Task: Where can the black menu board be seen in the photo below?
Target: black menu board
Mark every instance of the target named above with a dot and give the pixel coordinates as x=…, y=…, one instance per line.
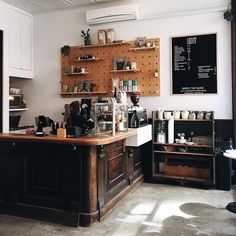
x=194, y=64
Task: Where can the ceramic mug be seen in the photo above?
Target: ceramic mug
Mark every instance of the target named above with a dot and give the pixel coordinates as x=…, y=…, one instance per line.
x=208, y=116
x=192, y=116
x=176, y=115
x=184, y=115
x=167, y=115
x=200, y=115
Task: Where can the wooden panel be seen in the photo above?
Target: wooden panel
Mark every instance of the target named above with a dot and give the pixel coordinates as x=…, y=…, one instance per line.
x=137, y=159
x=52, y=176
x=100, y=71
x=115, y=169
x=130, y=160
x=187, y=171
x=101, y=175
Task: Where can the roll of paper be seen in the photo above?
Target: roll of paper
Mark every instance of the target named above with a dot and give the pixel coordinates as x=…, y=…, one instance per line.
x=171, y=130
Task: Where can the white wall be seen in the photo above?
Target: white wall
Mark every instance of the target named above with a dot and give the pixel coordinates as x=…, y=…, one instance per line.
x=53, y=30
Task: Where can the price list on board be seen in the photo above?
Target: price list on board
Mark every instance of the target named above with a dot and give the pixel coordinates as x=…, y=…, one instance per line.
x=194, y=64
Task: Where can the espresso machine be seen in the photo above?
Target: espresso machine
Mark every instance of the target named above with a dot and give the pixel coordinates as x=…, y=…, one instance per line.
x=136, y=114
x=86, y=108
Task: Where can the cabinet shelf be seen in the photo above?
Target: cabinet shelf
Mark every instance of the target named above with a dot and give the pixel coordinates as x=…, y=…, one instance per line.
x=87, y=60
x=124, y=71
x=183, y=145
x=185, y=153
x=143, y=48
x=189, y=120
x=103, y=45
x=18, y=109
x=71, y=94
x=76, y=73
x=104, y=122
x=160, y=175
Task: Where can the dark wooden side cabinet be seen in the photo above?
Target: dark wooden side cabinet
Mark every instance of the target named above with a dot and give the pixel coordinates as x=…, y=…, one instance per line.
x=66, y=183
x=190, y=160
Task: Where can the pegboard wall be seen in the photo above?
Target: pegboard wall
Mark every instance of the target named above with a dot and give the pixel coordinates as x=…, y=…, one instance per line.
x=101, y=72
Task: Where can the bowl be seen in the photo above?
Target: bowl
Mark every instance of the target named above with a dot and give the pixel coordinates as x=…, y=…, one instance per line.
x=177, y=140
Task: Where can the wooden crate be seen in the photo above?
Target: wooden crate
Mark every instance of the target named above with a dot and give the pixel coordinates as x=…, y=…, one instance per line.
x=187, y=171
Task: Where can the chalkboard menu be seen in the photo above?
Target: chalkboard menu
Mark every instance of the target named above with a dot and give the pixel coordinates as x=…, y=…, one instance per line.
x=194, y=64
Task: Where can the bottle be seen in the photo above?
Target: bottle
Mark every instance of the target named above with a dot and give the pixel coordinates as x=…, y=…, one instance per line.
x=130, y=85
x=134, y=85
x=125, y=85
x=121, y=85
x=160, y=114
x=115, y=94
x=171, y=130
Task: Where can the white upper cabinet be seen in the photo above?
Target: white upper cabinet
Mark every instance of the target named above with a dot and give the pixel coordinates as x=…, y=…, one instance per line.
x=20, y=44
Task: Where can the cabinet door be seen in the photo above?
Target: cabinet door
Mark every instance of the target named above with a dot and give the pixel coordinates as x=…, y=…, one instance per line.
x=134, y=165
x=52, y=176
x=20, y=44
x=26, y=43
x=115, y=169
x=10, y=179
x=14, y=39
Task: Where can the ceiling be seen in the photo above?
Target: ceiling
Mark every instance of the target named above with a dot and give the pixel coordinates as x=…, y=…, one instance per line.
x=41, y=6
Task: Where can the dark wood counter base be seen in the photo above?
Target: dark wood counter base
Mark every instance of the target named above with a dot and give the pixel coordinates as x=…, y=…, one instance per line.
x=68, y=184
x=110, y=205
x=65, y=217
x=40, y=213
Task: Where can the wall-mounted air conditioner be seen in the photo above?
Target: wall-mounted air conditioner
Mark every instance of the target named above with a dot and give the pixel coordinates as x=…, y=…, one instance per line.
x=112, y=14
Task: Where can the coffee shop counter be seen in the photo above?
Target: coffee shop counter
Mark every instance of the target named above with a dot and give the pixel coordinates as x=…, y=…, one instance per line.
x=83, y=140
x=71, y=181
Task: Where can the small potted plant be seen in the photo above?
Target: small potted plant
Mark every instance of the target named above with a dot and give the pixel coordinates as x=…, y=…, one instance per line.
x=161, y=136
x=86, y=36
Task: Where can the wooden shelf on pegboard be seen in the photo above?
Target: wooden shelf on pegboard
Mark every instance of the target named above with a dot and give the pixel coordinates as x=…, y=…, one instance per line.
x=124, y=71
x=103, y=45
x=132, y=92
x=78, y=94
x=102, y=72
x=87, y=60
x=143, y=48
x=76, y=73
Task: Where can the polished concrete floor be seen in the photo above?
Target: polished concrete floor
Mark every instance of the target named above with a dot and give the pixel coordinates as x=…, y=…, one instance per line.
x=151, y=209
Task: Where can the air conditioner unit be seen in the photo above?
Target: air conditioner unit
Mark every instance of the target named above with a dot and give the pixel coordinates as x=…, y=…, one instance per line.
x=112, y=14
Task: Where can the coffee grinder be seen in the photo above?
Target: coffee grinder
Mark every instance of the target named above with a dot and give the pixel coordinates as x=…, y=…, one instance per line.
x=137, y=115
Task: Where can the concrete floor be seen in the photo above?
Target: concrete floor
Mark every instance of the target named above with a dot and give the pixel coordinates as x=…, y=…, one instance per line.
x=152, y=209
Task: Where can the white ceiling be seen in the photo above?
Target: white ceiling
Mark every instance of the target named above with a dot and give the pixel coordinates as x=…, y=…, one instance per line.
x=40, y=6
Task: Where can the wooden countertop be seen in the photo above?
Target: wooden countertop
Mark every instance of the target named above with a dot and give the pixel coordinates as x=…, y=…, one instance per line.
x=85, y=140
